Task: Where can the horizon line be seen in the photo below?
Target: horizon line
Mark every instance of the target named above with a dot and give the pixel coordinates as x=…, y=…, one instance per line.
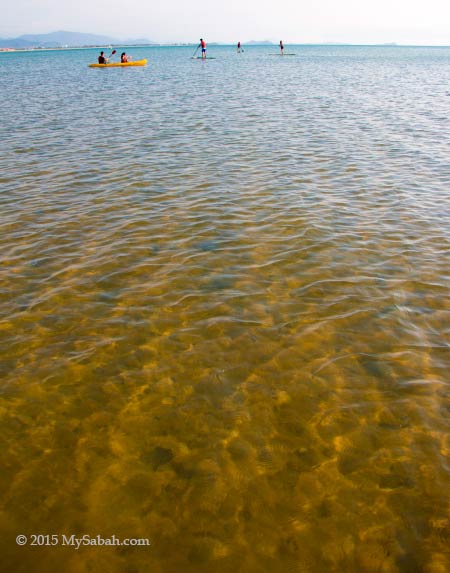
x=149, y=42
x=248, y=43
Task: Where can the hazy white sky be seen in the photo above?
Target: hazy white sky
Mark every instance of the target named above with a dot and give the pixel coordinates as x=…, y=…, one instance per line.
x=302, y=21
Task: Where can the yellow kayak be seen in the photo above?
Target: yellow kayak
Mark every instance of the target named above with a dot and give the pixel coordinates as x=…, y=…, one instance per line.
x=119, y=65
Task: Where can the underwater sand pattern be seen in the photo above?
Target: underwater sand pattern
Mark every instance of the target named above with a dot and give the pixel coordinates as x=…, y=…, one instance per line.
x=224, y=321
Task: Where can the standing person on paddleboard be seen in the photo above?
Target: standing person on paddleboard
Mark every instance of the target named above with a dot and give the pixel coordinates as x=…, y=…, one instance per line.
x=239, y=48
x=282, y=47
x=203, y=45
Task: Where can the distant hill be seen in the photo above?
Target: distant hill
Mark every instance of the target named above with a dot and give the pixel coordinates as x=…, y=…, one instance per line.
x=15, y=43
x=62, y=39
x=134, y=42
x=259, y=43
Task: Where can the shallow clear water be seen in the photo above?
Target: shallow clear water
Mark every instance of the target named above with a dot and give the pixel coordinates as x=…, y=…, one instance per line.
x=224, y=310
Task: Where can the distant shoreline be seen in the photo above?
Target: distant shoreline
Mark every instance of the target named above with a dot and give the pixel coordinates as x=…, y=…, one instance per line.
x=187, y=45
x=100, y=47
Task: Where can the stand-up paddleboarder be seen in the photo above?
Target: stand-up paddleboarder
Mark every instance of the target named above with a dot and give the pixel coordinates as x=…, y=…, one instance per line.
x=203, y=46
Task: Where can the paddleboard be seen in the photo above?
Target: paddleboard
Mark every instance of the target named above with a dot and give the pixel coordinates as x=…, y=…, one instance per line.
x=200, y=58
x=282, y=55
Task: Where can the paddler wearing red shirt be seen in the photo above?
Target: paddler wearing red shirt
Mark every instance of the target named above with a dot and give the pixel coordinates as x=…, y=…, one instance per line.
x=203, y=45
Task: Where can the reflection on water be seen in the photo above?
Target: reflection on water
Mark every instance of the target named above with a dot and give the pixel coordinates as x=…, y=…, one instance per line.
x=224, y=311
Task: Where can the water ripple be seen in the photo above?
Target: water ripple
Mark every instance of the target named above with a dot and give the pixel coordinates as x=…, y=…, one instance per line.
x=224, y=318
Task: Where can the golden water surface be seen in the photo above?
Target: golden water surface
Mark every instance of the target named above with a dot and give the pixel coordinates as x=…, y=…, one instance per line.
x=224, y=312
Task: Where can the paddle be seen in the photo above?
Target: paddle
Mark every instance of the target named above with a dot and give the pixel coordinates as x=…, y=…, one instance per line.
x=193, y=55
x=111, y=54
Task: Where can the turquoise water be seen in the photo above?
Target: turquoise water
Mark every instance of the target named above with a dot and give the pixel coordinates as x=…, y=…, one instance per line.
x=224, y=316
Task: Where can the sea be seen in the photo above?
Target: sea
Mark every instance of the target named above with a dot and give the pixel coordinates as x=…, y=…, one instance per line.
x=224, y=311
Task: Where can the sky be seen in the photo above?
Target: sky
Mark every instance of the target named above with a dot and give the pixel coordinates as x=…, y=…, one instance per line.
x=417, y=22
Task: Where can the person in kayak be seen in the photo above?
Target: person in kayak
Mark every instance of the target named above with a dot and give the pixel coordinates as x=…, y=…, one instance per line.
x=203, y=45
x=282, y=47
x=102, y=59
x=123, y=58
